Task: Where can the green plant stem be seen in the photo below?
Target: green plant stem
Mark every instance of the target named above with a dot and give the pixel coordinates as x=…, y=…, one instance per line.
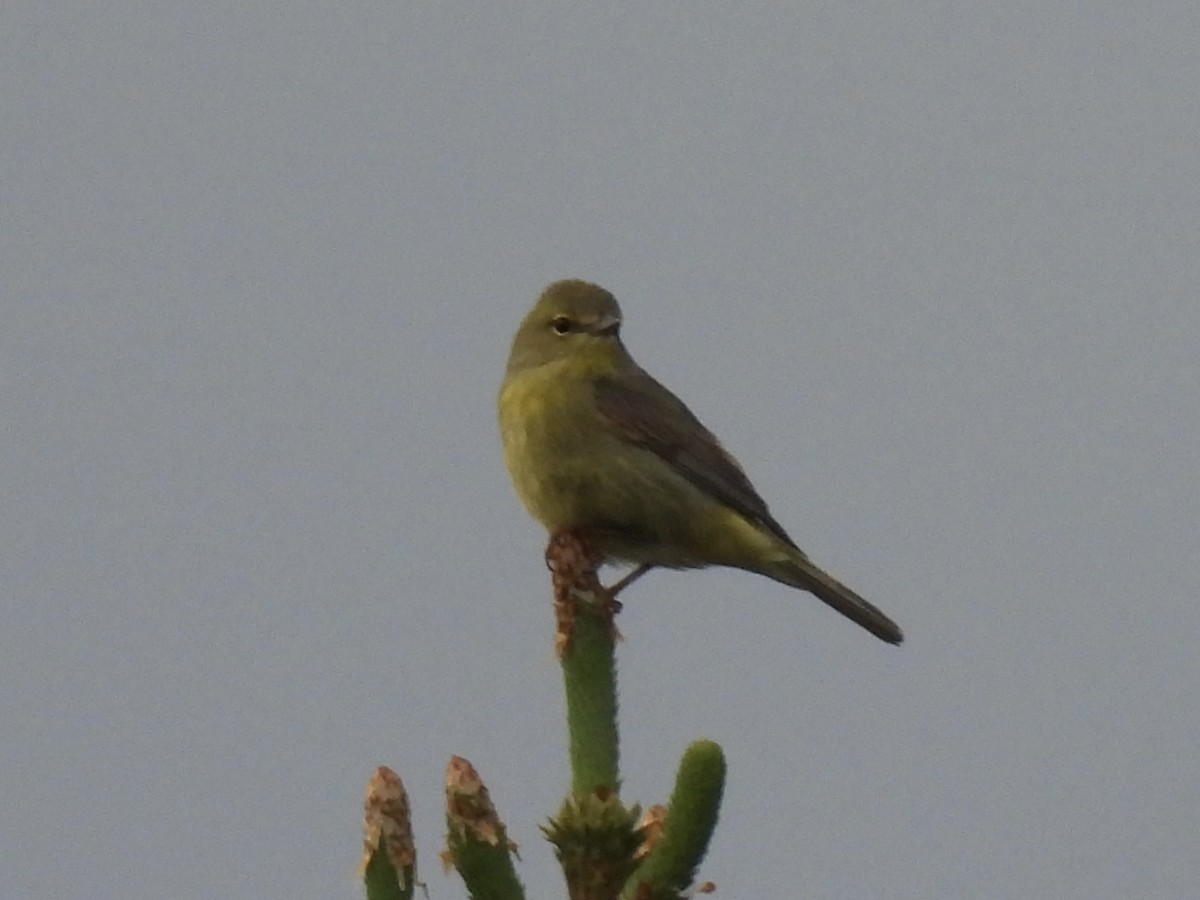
x=486, y=868
x=381, y=879
x=691, y=818
x=590, y=678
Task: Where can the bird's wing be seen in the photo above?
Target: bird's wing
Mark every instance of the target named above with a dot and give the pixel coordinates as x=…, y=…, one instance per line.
x=647, y=414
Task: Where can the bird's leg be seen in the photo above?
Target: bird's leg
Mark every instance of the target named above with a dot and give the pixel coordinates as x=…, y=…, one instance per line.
x=629, y=579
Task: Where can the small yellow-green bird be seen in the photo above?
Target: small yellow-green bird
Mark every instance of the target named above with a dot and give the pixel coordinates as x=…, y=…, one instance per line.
x=595, y=445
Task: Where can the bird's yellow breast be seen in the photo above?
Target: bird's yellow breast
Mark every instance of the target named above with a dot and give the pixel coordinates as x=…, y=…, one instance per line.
x=553, y=442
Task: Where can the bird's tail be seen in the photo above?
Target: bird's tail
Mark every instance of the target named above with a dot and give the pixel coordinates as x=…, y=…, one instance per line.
x=799, y=571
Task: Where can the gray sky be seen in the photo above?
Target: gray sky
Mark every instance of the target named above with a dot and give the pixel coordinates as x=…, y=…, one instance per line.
x=930, y=270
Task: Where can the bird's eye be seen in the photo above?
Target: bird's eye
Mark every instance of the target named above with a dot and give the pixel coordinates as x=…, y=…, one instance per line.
x=560, y=324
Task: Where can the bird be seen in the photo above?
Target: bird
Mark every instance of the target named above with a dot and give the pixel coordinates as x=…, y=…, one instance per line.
x=596, y=445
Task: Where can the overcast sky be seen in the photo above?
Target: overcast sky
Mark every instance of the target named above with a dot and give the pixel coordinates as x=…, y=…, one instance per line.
x=931, y=271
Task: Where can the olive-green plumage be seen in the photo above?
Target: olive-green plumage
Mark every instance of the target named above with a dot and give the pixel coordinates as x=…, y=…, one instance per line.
x=595, y=444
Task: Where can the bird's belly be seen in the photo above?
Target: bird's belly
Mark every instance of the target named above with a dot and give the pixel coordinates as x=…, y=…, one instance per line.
x=559, y=462
x=571, y=472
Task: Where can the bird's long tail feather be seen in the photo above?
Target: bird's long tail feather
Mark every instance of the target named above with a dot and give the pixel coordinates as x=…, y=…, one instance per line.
x=799, y=571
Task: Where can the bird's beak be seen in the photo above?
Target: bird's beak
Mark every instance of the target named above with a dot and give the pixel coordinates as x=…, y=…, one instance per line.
x=607, y=326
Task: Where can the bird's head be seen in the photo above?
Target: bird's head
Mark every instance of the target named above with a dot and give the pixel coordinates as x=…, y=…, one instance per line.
x=571, y=320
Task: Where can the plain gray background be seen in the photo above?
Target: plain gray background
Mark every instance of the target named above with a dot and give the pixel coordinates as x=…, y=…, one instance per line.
x=930, y=269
